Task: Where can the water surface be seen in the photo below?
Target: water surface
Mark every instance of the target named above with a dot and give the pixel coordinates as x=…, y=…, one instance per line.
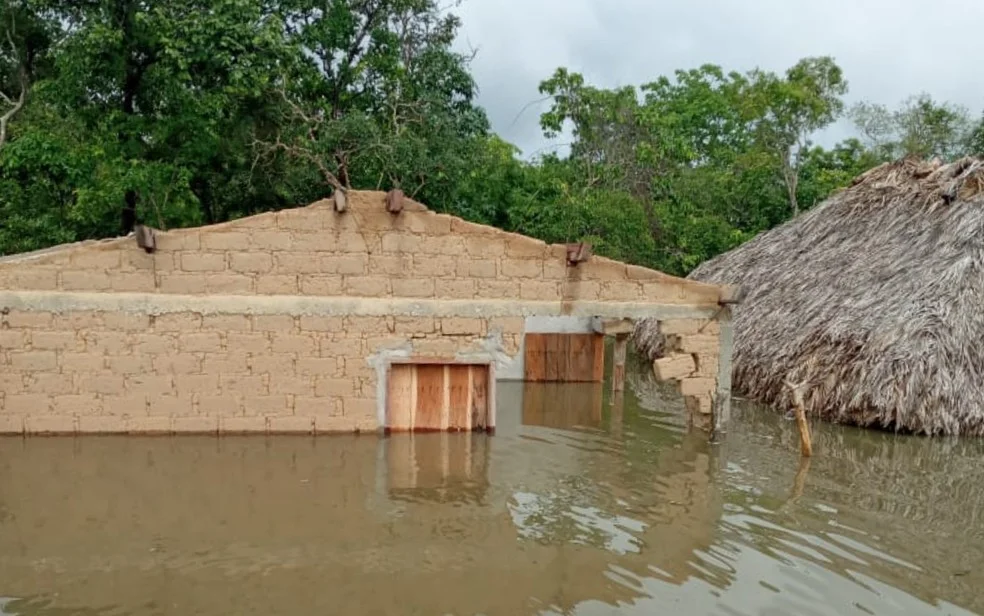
x=577, y=505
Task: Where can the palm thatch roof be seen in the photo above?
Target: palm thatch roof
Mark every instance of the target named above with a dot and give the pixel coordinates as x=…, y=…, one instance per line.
x=875, y=298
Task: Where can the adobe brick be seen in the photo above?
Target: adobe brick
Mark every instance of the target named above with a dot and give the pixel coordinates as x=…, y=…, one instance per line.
x=431, y=266
x=229, y=283
x=181, y=284
x=18, y=319
x=352, y=242
x=179, y=239
x=520, y=268
x=621, y=291
x=148, y=425
x=288, y=384
x=415, y=325
x=33, y=361
x=12, y=338
x=55, y=341
x=50, y=383
x=323, y=285
x=11, y=424
x=73, y=280
x=203, y=261
x=291, y=425
x=498, y=289
x=27, y=404
x=316, y=366
x=126, y=321
x=442, y=245
x=400, y=242
x=81, y=362
x=277, y=285
x=233, y=362
x=455, y=289
x=298, y=263
x=123, y=405
x=226, y=322
x=171, y=406
x=304, y=344
x=180, y=363
x=148, y=384
x=101, y=424
x=109, y=384
x=476, y=268
x=220, y=405
x=413, y=287
x=195, y=425
x=155, y=344
x=125, y=364
x=321, y=323
x=187, y=384
x=357, y=325
x=300, y=219
x=134, y=282
x=200, y=342
x=13, y=383
x=341, y=347
x=271, y=364
x=248, y=343
x=325, y=387
x=183, y=322
x=225, y=240
x=83, y=319
x=539, y=290
x=246, y=386
x=266, y=405
x=50, y=424
x=390, y=265
x=33, y=279
x=332, y=424
x=358, y=407
x=250, y=262
x=242, y=425
x=280, y=323
x=103, y=342
x=524, y=248
x=306, y=406
x=697, y=386
x=270, y=240
x=366, y=286
x=76, y=404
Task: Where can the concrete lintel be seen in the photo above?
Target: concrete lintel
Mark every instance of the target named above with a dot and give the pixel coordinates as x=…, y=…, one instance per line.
x=612, y=327
x=161, y=303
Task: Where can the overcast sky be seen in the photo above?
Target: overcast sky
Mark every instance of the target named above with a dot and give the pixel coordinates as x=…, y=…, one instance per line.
x=888, y=49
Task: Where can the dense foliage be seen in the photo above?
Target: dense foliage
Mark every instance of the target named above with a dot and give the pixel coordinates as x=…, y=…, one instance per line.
x=114, y=112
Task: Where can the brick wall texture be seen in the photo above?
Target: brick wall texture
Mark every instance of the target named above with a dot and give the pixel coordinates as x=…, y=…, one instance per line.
x=193, y=372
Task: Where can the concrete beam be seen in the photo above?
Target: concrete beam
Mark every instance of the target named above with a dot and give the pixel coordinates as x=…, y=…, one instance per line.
x=162, y=303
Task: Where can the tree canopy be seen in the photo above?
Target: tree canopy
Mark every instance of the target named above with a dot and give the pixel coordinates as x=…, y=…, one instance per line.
x=118, y=112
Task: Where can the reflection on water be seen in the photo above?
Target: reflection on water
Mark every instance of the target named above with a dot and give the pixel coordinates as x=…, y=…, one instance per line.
x=578, y=505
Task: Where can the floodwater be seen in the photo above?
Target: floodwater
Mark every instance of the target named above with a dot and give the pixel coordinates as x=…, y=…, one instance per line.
x=577, y=505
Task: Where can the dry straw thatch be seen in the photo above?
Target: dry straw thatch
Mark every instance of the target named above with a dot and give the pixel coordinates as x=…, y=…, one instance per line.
x=875, y=298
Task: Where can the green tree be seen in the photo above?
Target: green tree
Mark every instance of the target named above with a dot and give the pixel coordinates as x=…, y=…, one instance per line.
x=920, y=127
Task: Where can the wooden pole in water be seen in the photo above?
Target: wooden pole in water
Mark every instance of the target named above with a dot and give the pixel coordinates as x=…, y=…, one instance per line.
x=806, y=446
x=618, y=362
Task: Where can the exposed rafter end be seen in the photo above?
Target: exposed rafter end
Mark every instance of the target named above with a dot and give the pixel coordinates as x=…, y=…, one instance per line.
x=394, y=201
x=731, y=294
x=146, y=238
x=578, y=253
x=341, y=200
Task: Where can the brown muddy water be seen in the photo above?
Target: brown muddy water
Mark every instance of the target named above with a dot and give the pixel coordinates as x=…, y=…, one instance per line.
x=575, y=506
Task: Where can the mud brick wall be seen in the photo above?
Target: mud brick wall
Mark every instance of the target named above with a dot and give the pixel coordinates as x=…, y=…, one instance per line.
x=143, y=354
x=692, y=362
x=187, y=372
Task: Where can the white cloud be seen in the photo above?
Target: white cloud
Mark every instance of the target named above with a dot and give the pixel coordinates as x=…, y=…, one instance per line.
x=888, y=49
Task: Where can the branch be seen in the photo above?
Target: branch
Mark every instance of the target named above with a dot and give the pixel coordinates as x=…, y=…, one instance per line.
x=303, y=154
x=6, y=117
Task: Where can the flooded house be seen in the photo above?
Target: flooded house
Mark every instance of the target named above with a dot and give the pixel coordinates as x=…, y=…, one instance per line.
x=872, y=299
x=363, y=312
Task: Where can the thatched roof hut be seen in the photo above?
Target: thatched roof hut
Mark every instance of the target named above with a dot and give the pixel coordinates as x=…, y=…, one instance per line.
x=875, y=298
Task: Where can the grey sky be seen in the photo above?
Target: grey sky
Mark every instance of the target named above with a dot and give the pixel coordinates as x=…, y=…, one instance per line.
x=888, y=49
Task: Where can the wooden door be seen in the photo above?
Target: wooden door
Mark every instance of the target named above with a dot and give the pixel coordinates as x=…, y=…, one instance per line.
x=437, y=397
x=564, y=358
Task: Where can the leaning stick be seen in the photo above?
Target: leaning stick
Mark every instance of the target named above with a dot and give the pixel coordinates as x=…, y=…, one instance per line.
x=806, y=446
